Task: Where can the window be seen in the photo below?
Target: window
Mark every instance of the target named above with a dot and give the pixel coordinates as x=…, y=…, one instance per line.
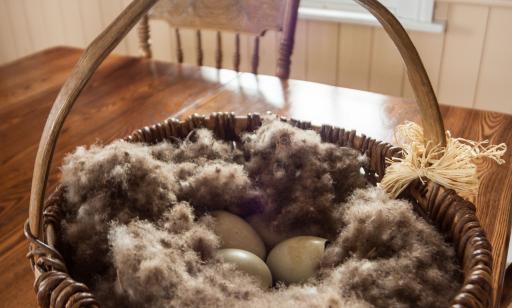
x=416, y=15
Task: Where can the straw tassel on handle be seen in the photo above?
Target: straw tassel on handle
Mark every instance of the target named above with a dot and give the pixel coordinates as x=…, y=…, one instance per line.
x=428, y=152
x=451, y=166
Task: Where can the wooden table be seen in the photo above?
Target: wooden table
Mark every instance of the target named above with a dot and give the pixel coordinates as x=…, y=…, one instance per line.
x=127, y=93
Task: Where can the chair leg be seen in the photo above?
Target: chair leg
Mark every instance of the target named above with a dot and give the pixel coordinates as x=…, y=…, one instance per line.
x=144, y=37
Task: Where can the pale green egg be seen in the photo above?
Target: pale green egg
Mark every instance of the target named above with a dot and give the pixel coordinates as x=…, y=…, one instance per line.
x=262, y=226
x=234, y=232
x=296, y=259
x=249, y=263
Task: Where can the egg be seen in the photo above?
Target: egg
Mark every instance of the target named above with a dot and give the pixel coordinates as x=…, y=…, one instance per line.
x=249, y=263
x=296, y=259
x=269, y=237
x=234, y=232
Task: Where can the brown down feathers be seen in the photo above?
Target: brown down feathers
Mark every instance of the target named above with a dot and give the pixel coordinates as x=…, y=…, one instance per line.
x=136, y=227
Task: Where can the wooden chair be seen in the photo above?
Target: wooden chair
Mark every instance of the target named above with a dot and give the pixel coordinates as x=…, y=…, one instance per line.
x=253, y=17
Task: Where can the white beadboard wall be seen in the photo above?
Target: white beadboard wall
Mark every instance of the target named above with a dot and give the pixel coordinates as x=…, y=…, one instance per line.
x=470, y=64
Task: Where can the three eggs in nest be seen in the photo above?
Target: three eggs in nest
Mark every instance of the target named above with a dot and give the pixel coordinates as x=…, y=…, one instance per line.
x=244, y=244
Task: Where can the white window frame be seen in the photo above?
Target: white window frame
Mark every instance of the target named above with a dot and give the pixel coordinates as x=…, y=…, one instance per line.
x=415, y=15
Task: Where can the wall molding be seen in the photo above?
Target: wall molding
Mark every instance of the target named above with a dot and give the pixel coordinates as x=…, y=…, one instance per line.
x=363, y=18
x=498, y=3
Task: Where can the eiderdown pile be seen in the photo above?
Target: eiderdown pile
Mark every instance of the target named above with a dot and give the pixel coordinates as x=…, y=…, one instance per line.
x=137, y=229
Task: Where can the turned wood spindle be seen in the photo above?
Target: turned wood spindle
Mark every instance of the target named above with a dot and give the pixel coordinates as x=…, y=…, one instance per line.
x=144, y=37
x=199, y=48
x=179, y=50
x=236, y=57
x=218, y=51
x=255, y=55
x=287, y=40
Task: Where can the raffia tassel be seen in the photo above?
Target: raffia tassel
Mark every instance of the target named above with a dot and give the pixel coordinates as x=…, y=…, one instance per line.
x=451, y=166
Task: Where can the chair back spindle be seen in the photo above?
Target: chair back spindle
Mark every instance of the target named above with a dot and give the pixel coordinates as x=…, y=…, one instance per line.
x=144, y=36
x=287, y=39
x=255, y=55
x=218, y=51
x=236, y=56
x=199, y=51
x=179, y=49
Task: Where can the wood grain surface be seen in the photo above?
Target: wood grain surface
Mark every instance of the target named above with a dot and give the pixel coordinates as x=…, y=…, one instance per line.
x=127, y=93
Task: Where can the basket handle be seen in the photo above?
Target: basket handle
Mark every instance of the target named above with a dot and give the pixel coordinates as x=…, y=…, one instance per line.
x=432, y=121
x=91, y=58
x=98, y=50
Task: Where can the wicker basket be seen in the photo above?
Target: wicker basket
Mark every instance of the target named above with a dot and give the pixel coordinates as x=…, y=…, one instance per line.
x=452, y=215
